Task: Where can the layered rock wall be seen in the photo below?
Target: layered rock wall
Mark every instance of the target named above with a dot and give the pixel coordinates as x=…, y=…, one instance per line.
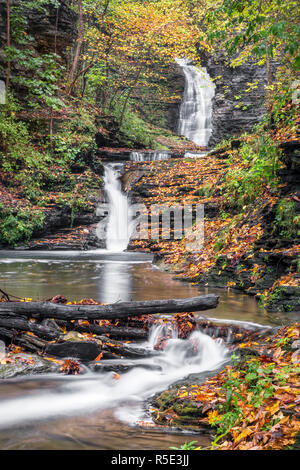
x=52, y=28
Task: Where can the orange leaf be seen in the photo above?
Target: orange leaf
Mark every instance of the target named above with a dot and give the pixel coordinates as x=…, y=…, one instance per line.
x=99, y=357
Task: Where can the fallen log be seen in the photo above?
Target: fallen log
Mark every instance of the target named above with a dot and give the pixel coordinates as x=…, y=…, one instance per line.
x=232, y=332
x=29, y=343
x=22, y=324
x=116, y=310
x=113, y=331
x=123, y=350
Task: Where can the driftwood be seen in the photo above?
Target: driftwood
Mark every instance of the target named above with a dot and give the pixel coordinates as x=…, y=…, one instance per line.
x=116, y=310
x=232, y=333
x=29, y=343
x=36, y=326
x=121, y=332
x=22, y=324
x=123, y=350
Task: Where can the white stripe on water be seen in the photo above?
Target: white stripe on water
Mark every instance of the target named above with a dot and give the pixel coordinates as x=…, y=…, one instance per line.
x=148, y=156
x=93, y=392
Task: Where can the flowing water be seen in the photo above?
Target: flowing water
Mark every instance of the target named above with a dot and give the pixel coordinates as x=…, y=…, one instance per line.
x=94, y=391
x=94, y=410
x=196, y=107
x=118, y=226
x=110, y=277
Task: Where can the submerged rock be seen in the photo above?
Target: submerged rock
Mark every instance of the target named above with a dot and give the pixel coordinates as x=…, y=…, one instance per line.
x=25, y=364
x=121, y=365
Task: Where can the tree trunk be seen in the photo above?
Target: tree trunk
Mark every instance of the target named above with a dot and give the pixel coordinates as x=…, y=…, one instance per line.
x=79, y=44
x=8, y=44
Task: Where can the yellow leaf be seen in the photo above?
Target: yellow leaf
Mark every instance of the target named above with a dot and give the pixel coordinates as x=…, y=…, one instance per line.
x=213, y=417
x=245, y=433
x=272, y=409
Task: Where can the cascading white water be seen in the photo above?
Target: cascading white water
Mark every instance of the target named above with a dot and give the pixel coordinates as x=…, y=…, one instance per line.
x=196, y=107
x=148, y=156
x=68, y=395
x=118, y=225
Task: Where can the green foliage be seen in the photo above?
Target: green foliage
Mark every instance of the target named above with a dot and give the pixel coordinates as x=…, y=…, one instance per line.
x=42, y=85
x=18, y=156
x=286, y=219
x=187, y=446
x=205, y=191
x=18, y=226
x=260, y=383
x=76, y=134
x=40, y=72
x=277, y=294
x=134, y=130
x=254, y=28
x=260, y=162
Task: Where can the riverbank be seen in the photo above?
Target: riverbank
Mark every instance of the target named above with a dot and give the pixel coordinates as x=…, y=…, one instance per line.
x=251, y=227
x=252, y=404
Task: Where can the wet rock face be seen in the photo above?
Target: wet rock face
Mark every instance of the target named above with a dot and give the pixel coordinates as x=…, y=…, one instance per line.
x=56, y=30
x=176, y=83
x=53, y=31
x=25, y=364
x=291, y=173
x=234, y=110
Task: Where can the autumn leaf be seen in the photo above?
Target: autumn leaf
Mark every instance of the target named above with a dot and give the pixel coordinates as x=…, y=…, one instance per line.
x=99, y=357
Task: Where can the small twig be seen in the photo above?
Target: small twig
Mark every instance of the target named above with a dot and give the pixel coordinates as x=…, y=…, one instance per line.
x=5, y=295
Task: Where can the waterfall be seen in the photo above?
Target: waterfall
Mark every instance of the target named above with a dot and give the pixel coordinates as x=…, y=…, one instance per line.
x=118, y=227
x=196, y=108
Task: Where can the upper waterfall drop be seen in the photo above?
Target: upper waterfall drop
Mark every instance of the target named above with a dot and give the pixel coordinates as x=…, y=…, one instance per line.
x=196, y=107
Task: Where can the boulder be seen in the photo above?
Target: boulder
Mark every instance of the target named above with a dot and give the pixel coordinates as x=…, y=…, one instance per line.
x=82, y=350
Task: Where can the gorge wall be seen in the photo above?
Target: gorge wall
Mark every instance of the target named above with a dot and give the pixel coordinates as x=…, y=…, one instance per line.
x=235, y=110
x=51, y=32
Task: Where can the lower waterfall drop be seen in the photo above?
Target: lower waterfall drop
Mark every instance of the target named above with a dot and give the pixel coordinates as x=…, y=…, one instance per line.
x=118, y=225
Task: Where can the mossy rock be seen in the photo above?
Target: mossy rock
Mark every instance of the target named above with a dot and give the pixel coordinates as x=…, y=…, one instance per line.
x=165, y=400
x=185, y=421
x=188, y=409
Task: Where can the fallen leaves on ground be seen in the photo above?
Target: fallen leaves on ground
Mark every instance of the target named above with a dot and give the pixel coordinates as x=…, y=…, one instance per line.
x=254, y=404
